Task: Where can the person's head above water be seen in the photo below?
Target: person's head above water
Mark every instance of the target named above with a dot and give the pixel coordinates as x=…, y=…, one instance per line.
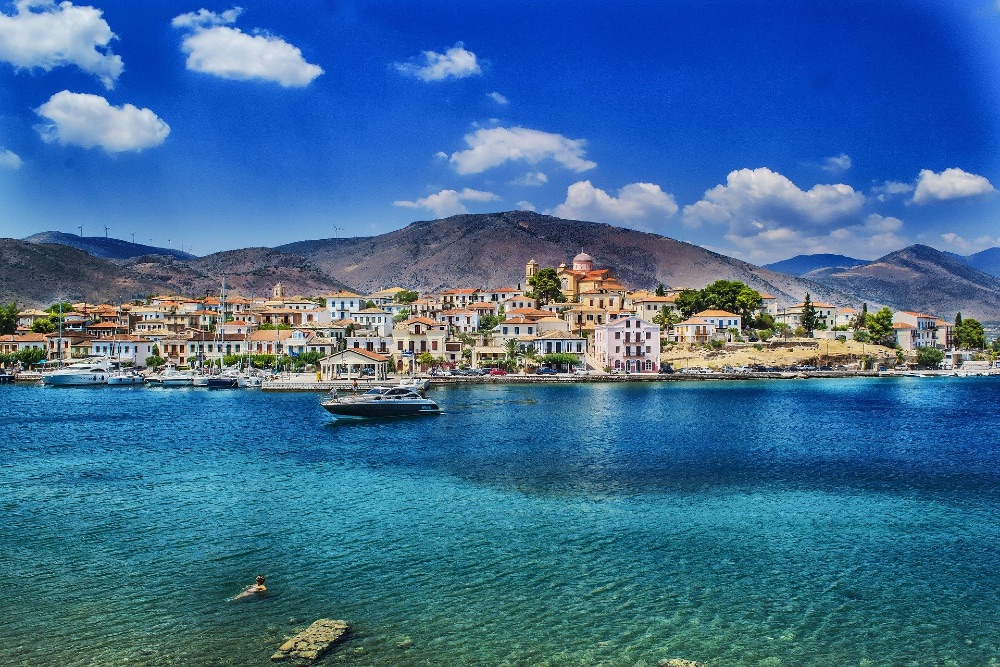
x=260, y=579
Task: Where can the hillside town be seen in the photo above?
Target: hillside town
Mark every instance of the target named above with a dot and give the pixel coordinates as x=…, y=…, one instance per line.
x=569, y=318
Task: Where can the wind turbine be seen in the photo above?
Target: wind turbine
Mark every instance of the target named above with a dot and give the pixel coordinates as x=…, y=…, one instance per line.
x=106, y=231
x=133, y=237
x=81, y=230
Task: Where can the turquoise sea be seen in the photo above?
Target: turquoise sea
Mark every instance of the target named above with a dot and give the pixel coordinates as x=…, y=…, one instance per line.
x=783, y=523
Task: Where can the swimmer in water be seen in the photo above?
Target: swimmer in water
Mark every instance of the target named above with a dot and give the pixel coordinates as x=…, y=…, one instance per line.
x=249, y=591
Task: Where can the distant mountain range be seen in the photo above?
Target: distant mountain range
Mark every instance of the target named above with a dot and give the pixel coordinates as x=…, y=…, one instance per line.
x=486, y=250
x=801, y=265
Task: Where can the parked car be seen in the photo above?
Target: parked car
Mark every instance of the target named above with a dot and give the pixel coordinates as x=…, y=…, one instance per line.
x=582, y=371
x=497, y=371
x=665, y=369
x=546, y=371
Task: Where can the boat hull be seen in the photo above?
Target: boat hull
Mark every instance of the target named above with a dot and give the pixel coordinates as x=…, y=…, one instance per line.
x=124, y=380
x=381, y=409
x=76, y=380
x=223, y=383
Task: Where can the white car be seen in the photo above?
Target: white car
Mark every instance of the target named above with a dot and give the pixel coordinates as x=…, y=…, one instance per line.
x=582, y=371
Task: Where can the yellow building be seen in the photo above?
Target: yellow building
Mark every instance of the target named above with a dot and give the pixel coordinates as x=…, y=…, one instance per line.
x=580, y=279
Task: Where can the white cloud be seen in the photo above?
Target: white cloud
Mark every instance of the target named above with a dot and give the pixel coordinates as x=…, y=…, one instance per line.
x=890, y=189
x=968, y=247
x=455, y=63
x=531, y=179
x=760, y=198
x=215, y=48
x=838, y=164
x=89, y=121
x=768, y=217
x=635, y=202
x=873, y=237
x=949, y=184
x=45, y=35
x=448, y=202
x=492, y=147
x=525, y=206
x=498, y=98
x=9, y=160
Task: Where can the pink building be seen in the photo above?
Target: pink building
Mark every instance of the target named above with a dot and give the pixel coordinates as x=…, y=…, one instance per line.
x=628, y=343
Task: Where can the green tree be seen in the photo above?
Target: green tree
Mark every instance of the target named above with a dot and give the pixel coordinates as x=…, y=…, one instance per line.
x=155, y=360
x=970, y=335
x=764, y=321
x=689, y=302
x=406, y=296
x=44, y=325
x=488, y=322
x=808, y=315
x=513, y=349
x=425, y=359
x=30, y=355
x=370, y=304
x=661, y=290
x=859, y=320
x=545, y=287
x=748, y=302
x=8, y=318
x=929, y=357
x=958, y=319
x=401, y=316
x=879, y=326
x=666, y=318
x=54, y=309
x=783, y=330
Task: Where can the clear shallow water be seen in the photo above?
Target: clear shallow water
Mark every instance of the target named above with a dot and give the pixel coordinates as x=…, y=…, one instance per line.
x=848, y=522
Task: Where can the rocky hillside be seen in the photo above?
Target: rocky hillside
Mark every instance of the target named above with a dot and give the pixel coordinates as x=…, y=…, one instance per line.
x=490, y=250
x=923, y=279
x=105, y=248
x=39, y=274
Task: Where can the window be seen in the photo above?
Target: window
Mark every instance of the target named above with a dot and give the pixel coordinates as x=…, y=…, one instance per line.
x=618, y=335
x=648, y=335
x=434, y=345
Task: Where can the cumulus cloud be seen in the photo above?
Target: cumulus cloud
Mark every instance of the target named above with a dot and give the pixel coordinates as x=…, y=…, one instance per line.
x=838, y=164
x=766, y=215
x=90, y=121
x=42, y=34
x=448, y=202
x=872, y=237
x=531, y=179
x=492, y=147
x=761, y=198
x=635, y=202
x=9, y=160
x=498, y=98
x=949, y=184
x=215, y=48
x=525, y=206
x=455, y=63
x=970, y=246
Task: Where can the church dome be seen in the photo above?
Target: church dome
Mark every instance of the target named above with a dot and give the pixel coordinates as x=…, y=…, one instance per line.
x=583, y=262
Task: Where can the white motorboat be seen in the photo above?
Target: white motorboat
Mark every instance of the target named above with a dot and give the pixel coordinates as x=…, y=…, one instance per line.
x=171, y=377
x=125, y=378
x=91, y=371
x=381, y=402
x=419, y=384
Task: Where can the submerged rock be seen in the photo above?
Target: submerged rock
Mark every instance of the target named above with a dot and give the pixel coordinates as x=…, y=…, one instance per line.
x=309, y=645
x=679, y=662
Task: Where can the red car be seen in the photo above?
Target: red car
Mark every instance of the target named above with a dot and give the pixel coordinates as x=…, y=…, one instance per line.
x=497, y=371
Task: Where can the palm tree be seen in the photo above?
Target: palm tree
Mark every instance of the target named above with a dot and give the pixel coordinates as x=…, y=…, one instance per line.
x=512, y=350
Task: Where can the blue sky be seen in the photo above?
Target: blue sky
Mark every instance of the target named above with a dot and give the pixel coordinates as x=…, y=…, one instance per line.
x=757, y=129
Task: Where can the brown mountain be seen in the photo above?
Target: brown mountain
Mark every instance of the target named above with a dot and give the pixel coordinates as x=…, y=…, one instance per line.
x=920, y=278
x=490, y=250
x=39, y=274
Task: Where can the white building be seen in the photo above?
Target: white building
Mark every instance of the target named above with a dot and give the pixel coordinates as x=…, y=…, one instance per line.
x=628, y=343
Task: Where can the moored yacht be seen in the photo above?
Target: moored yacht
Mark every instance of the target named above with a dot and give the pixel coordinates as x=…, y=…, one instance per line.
x=91, y=371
